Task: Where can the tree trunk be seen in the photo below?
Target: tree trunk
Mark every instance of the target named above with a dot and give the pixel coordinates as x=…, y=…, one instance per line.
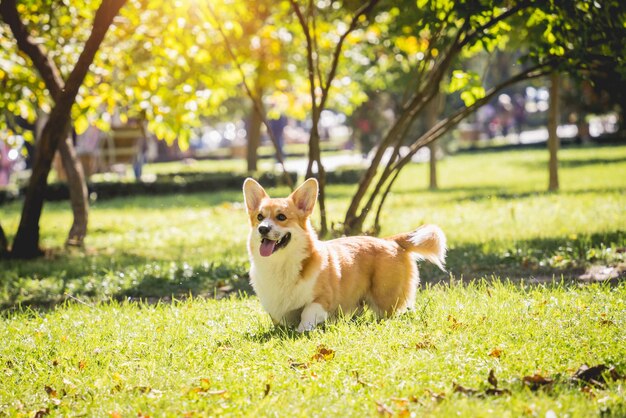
x=432, y=116
x=257, y=117
x=432, y=164
x=26, y=243
x=78, y=192
x=553, y=139
x=621, y=121
x=315, y=156
x=353, y=223
x=4, y=244
x=254, y=139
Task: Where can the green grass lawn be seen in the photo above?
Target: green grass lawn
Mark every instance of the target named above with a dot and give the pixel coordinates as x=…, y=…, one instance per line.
x=213, y=358
x=84, y=332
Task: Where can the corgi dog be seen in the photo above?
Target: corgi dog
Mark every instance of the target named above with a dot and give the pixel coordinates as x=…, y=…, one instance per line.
x=302, y=280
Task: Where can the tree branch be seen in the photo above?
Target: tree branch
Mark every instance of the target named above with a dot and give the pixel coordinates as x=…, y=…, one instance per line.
x=494, y=20
x=394, y=166
x=422, y=96
x=42, y=62
x=256, y=101
x=316, y=48
x=421, y=68
x=362, y=11
x=102, y=21
x=309, y=49
x=446, y=124
x=315, y=112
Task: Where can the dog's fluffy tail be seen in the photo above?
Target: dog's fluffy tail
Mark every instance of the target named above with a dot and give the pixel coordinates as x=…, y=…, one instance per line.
x=427, y=242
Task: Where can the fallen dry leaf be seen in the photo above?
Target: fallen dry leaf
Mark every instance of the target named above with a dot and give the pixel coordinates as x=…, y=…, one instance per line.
x=494, y=391
x=454, y=324
x=400, y=402
x=588, y=390
x=42, y=413
x=436, y=396
x=323, y=353
x=51, y=392
x=216, y=392
x=536, y=381
x=460, y=389
x=143, y=389
x=205, y=384
x=597, y=375
x=403, y=405
x=383, y=409
x=404, y=412
x=615, y=375
x=588, y=374
x=298, y=366
x=496, y=352
x=492, y=379
x=355, y=373
x=497, y=392
x=424, y=345
x=204, y=388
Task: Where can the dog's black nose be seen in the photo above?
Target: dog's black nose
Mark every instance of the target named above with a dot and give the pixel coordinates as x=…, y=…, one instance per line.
x=264, y=230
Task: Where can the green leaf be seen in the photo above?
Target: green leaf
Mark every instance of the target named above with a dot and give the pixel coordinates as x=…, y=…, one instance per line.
x=458, y=81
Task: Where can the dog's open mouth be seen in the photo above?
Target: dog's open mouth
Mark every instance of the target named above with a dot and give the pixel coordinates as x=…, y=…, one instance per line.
x=268, y=247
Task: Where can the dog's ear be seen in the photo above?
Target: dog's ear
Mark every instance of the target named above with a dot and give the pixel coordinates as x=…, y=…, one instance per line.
x=305, y=196
x=253, y=194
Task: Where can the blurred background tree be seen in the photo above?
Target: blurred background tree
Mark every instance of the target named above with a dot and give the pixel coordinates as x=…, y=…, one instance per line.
x=405, y=72
x=63, y=81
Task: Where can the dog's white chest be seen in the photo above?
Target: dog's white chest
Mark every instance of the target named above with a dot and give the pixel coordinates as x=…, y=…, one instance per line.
x=279, y=286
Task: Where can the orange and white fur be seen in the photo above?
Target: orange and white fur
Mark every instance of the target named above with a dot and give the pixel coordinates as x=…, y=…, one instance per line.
x=302, y=280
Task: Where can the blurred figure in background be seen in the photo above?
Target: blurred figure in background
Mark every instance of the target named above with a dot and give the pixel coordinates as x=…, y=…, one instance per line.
x=5, y=164
x=278, y=128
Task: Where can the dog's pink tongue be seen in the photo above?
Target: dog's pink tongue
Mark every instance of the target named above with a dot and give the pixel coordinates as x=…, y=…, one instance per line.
x=267, y=247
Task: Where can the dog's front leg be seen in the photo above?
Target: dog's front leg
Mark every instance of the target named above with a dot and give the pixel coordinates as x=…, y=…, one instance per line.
x=312, y=315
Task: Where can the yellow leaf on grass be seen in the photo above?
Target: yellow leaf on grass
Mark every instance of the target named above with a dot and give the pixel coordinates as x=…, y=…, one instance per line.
x=496, y=352
x=323, y=353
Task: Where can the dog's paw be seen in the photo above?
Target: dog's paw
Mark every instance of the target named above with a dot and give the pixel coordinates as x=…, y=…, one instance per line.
x=304, y=327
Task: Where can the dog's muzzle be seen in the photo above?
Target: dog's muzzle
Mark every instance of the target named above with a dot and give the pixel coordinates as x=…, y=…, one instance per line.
x=269, y=247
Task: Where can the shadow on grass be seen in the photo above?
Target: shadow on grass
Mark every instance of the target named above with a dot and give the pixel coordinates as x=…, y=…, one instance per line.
x=363, y=316
x=182, y=280
x=575, y=162
x=477, y=194
x=173, y=201
x=279, y=332
x=537, y=260
x=43, y=284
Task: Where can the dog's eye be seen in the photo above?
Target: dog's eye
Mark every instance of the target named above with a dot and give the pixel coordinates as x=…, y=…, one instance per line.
x=260, y=217
x=281, y=217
